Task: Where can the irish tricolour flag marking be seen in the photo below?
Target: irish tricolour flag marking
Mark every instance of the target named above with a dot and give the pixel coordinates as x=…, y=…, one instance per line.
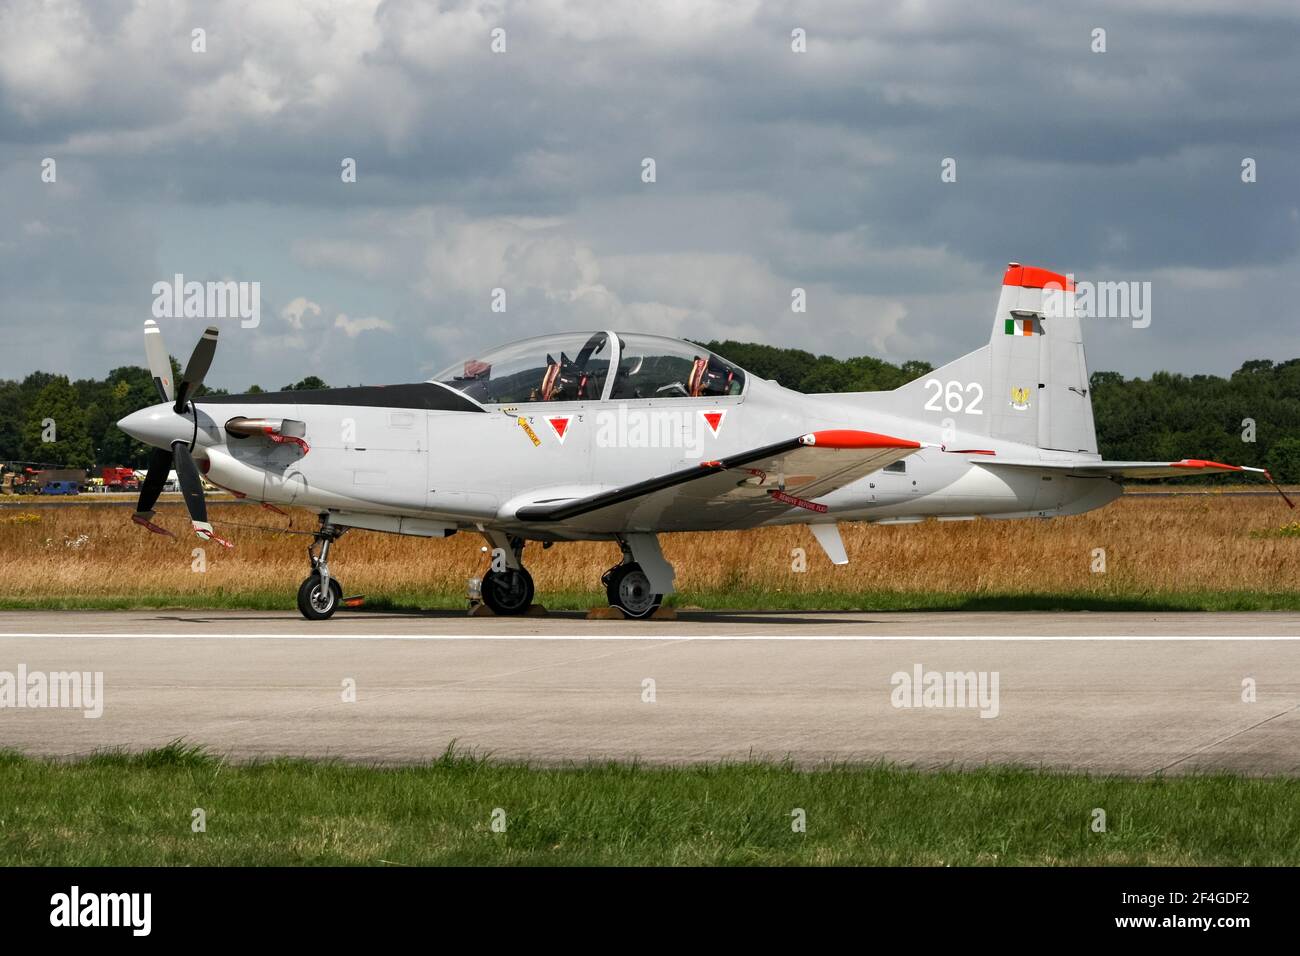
x=1020, y=326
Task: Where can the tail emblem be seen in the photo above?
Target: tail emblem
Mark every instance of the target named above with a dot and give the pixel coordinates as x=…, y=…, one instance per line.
x=1020, y=398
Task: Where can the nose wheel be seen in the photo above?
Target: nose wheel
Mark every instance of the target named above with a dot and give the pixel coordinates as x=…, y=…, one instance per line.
x=318, y=600
x=320, y=595
x=628, y=588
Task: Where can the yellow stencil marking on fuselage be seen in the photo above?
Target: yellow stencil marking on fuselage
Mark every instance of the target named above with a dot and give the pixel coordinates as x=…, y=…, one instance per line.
x=528, y=430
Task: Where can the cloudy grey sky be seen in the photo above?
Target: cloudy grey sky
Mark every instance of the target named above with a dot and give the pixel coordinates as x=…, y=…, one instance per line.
x=522, y=170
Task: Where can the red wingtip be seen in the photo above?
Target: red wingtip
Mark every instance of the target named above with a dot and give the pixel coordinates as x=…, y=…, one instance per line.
x=852, y=438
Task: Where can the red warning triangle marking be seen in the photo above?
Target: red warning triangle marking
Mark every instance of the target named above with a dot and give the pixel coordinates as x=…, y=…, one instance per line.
x=560, y=425
x=714, y=420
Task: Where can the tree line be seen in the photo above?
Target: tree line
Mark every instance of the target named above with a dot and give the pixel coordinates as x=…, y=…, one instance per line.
x=81, y=417
x=1252, y=417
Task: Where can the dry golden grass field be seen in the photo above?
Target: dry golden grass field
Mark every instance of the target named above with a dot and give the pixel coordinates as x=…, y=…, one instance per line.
x=1205, y=551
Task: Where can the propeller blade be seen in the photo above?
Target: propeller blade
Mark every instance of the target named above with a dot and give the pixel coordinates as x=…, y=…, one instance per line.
x=187, y=473
x=196, y=370
x=160, y=462
x=160, y=366
x=154, y=479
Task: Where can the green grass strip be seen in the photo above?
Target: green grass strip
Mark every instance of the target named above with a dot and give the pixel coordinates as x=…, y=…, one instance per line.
x=138, y=809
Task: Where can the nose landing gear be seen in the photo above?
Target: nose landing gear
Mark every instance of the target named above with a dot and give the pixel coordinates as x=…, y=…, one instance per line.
x=320, y=595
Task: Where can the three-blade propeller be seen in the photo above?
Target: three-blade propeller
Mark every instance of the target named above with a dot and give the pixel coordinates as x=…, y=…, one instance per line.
x=179, y=455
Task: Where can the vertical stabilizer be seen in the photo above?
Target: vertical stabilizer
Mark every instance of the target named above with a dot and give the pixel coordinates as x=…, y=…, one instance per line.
x=1039, y=377
x=1029, y=384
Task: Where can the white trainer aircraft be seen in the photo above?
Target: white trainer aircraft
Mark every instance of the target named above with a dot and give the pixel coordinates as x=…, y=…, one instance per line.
x=620, y=436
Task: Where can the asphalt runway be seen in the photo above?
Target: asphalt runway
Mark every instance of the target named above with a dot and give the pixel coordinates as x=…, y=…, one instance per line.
x=1109, y=692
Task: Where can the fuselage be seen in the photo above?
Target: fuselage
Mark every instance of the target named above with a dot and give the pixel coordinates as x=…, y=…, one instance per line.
x=475, y=464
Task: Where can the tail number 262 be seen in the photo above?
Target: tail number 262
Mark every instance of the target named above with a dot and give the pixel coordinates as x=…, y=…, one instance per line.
x=955, y=397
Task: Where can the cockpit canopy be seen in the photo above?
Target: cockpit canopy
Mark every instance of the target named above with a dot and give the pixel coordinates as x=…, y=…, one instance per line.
x=573, y=367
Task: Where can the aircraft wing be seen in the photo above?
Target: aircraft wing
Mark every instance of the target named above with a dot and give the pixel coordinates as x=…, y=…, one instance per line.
x=768, y=480
x=1140, y=469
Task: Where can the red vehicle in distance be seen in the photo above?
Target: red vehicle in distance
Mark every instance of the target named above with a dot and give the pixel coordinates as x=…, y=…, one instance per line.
x=120, y=479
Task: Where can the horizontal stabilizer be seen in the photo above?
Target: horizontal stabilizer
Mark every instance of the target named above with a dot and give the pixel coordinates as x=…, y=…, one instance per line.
x=1138, y=469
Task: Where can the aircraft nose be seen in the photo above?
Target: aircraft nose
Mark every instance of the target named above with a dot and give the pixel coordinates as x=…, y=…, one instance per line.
x=158, y=426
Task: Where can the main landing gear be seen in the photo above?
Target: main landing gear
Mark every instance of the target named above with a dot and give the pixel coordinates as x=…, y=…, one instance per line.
x=320, y=595
x=507, y=590
x=627, y=585
x=628, y=588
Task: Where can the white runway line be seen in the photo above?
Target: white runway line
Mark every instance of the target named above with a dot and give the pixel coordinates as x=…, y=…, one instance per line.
x=189, y=636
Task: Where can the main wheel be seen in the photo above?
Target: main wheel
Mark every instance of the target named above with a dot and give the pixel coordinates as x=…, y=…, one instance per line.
x=628, y=589
x=315, y=605
x=508, y=592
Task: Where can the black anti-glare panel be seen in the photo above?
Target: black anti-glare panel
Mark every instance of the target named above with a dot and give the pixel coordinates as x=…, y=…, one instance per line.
x=424, y=395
